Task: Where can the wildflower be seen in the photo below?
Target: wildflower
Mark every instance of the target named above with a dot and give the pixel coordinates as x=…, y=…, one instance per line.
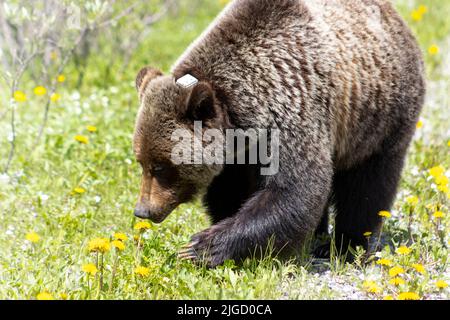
x=416, y=15
x=61, y=78
x=433, y=50
x=384, y=214
x=120, y=236
x=91, y=128
x=418, y=267
x=408, y=296
x=397, y=281
x=419, y=124
x=437, y=171
x=79, y=190
x=371, y=286
x=403, y=250
x=388, y=297
x=55, y=97
x=142, y=226
x=422, y=9
x=384, y=262
x=44, y=296
x=82, y=139
x=438, y=214
x=99, y=245
x=63, y=296
x=89, y=269
x=443, y=188
x=40, y=91
x=441, y=284
x=142, y=271
x=441, y=180
x=119, y=245
x=412, y=200
x=19, y=96
x=395, y=271
x=32, y=237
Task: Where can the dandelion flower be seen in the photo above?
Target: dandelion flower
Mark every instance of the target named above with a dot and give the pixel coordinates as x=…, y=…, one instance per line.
x=120, y=236
x=82, y=139
x=422, y=9
x=61, y=78
x=438, y=214
x=388, y=297
x=40, y=91
x=437, y=171
x=90, y=269
x=433, y=50
x=142, y=271
x=79, y=190
x=384, y=262
x=395, y=271
x=91, y=128
x=419, y=124
x=63, y=296
x=441, y=180
x=412, y=200
x=403, y=250
x=384, y=214
x=19, y=96
x=32, y=237
x=99, y=245
x=416, y=15
x=119, y=245
x=371, y=286
x=44, y=296
x=55, y=97
x=142, y=225
x=418, y=267
x=367, y=234
x=397, y=281
x=441, y=284
x=408, y=296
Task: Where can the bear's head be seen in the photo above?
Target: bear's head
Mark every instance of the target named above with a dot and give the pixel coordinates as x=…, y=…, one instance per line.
x=166, y=107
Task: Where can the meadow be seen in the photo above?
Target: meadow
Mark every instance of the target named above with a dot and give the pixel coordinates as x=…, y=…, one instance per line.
x=67, y=229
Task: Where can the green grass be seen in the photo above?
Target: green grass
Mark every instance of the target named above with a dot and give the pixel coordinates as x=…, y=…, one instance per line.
x=40, y=195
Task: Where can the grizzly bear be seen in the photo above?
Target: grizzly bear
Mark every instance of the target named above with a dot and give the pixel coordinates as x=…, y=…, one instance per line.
x=343, y=83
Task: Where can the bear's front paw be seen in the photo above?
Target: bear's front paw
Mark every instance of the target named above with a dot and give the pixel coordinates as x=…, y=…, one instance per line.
x=209, y=247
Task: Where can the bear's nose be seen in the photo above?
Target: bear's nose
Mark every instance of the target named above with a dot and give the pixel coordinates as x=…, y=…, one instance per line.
x=142, y=213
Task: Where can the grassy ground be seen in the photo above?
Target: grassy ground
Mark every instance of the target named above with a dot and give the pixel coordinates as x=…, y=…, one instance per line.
x=57, y=199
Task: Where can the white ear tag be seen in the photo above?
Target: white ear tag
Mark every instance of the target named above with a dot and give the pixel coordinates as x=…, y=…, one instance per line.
x=187, y=81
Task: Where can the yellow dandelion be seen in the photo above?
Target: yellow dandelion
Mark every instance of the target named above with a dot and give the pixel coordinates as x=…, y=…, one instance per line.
x=419, y=124
x=91, y=128
x=443, y=188
x=438, y=214
x=55, y=97
x=63, y=296
x=40, y=91
x=418, y=267
x=79, y=190
x=82, y=139
x=408, y=296
x=448, y=143
x=441, y=284
x=433, y=50
x=142, y=271
x=44, y=296
x=371, y=287
x=422, y=9
x=388, y=297
x=441, y=180
x=397, y=281
x=437, y=171
x=384, y=262
x=412, y=200
x=90, y=269
x=395, y=271
x=61, y=78
x=384, y=214
x=19, y=96
x=416, y=15
x=120, y=236
x=403, y=250
x=119, y=245
x=101, y=245
x=142, y=225
x=32, y=237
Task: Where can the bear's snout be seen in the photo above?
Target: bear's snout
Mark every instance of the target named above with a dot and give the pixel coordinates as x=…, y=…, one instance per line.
x=143, y=212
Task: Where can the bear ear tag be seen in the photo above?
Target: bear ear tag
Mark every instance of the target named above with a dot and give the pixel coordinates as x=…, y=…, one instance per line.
x=187, y=81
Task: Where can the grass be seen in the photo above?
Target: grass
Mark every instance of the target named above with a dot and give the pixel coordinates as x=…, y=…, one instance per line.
x=69, y=193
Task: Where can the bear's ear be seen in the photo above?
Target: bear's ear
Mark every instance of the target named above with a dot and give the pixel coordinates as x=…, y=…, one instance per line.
x=144, y=77
x=200, y=105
